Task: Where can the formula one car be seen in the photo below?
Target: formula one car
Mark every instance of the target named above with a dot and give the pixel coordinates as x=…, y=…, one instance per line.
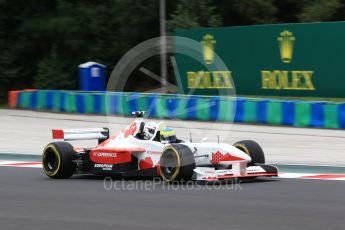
x=152, y=149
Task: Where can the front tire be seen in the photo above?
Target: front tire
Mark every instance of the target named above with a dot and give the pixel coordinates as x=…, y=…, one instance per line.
x=57, y=160
x=177, y=163
x=253, y=149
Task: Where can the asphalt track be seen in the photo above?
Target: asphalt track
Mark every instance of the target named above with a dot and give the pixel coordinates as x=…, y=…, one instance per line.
x=30, y=200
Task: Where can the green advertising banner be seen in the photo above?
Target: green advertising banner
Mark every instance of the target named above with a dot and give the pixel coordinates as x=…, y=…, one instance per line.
x=304, y=59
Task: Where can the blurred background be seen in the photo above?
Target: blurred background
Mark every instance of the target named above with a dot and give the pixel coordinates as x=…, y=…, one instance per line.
x=42, y=42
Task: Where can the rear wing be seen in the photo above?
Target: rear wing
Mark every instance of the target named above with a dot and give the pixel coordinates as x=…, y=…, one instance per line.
x=101, y=134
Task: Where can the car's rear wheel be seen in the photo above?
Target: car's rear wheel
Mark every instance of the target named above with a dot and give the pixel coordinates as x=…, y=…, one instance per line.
x=177, y=163
x=57, y=160
x=253, y=149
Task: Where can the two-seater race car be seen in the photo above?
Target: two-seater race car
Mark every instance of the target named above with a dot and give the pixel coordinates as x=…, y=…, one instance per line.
x=152, y=149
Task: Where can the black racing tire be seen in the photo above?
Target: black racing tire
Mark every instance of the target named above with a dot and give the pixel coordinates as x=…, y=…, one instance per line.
x=177, y=163
x=57, y=160
x=253, y=149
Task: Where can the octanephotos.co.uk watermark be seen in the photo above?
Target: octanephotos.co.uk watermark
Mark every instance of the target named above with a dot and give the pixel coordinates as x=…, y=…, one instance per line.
x=110, y=184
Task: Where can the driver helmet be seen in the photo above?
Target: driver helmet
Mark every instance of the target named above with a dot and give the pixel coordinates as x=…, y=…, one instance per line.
x=168, y=134
x=149, y=130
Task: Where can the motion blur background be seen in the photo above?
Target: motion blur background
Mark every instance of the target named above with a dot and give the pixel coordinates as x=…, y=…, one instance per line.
x=42, y=42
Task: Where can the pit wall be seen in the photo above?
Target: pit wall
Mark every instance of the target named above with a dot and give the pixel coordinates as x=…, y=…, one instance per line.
x=243, y=110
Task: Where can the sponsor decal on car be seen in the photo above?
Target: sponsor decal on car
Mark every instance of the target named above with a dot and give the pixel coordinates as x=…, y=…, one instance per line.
x=106, y=154
x=153, y=152
x=104, y=166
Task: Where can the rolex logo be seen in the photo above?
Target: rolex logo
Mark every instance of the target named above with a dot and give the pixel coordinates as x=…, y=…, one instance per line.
x=208, y=44
x=286, y=42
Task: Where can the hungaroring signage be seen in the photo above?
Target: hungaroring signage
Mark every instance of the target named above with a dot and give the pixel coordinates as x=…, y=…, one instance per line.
x=304, y=59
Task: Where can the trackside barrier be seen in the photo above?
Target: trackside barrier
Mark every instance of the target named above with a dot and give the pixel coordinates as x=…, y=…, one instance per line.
x=264, y=111
x=12, y=97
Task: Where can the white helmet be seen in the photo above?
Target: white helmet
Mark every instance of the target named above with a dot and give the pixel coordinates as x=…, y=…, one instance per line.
x=149, y=130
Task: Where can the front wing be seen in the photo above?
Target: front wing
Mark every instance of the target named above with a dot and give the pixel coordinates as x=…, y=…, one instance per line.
x=211, y=174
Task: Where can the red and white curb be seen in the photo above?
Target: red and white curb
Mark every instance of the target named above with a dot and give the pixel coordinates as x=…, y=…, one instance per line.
x=314, y=176
x=26, y=164
x=317, y=176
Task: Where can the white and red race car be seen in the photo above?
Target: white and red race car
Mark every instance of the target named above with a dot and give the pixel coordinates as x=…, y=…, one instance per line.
x=128, y=153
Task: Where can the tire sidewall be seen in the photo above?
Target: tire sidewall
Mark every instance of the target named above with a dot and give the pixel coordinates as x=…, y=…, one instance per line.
x=65, y=154
x=58, y=156
x=178, y=166
x=185, y=163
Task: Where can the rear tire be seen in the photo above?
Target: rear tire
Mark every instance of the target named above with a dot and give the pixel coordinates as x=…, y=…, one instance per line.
x=57, y=160
x=253, y=149
x=177, y=163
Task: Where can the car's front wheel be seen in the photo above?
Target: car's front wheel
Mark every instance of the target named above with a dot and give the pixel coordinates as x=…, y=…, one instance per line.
x=253, y=149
